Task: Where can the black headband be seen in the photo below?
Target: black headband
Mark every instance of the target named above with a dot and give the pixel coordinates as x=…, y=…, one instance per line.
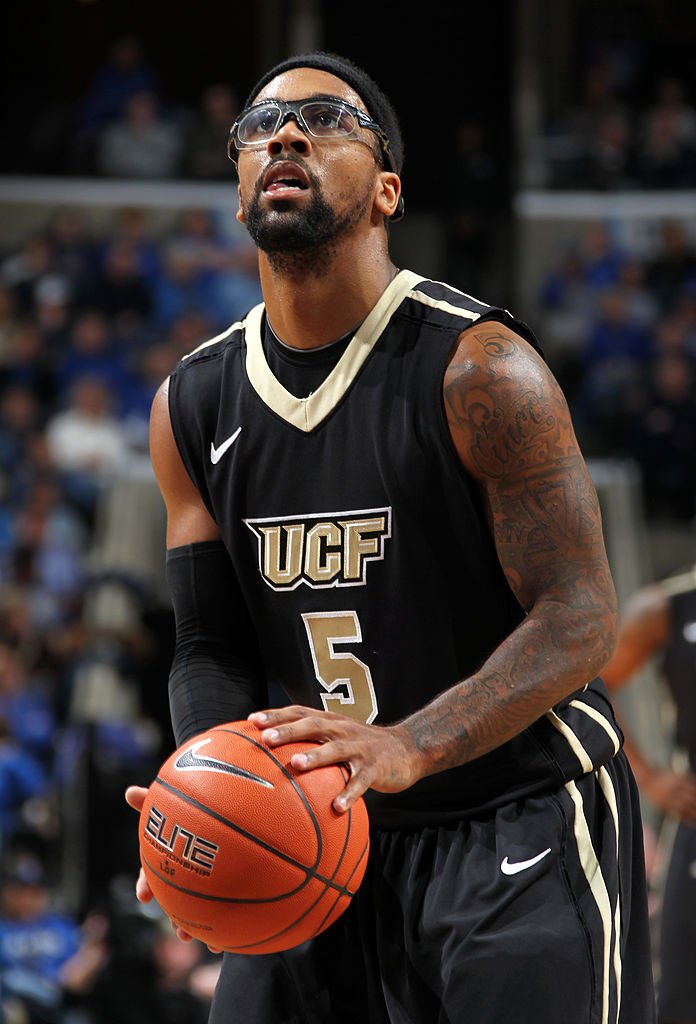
x=378, y=106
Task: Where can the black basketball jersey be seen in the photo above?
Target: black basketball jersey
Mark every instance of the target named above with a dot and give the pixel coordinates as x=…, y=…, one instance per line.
x=360, y=543
x=679, y=668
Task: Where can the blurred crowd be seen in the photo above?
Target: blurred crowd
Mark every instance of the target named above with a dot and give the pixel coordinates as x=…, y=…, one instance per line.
x=620, y=332
x=127, y=126
x=630, y=127
x=90, y=324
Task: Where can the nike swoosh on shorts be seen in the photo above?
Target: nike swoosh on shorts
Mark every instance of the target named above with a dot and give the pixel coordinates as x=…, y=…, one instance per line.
x=515, y=867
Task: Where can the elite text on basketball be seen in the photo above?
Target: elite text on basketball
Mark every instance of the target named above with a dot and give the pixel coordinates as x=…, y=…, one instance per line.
x=192, y=851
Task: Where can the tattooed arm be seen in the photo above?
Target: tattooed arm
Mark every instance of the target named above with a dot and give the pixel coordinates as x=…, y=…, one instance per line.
x=511, y=427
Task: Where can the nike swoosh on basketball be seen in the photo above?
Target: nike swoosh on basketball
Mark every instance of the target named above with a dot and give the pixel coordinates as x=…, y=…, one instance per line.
x=217, y=453
x=521, y=865
x=190, y=760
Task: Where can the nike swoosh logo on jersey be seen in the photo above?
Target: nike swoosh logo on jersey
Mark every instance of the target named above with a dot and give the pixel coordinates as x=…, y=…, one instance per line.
x=217, y=453
x=521, y=865
x=191, y=760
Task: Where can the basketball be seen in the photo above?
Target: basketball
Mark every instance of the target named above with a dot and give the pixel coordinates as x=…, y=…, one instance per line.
x=244, y=852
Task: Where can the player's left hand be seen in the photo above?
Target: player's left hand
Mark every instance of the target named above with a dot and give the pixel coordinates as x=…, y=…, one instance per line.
x=379, y=757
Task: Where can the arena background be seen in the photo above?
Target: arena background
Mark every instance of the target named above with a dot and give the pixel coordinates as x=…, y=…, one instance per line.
x=548, y=170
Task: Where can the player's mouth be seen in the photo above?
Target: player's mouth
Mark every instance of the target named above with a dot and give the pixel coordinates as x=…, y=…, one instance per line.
x=284, y=179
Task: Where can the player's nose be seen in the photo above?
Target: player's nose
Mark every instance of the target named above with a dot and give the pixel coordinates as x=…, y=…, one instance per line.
x=289, y=136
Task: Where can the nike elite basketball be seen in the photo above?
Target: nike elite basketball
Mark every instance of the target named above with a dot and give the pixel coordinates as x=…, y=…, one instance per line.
x=244, y=852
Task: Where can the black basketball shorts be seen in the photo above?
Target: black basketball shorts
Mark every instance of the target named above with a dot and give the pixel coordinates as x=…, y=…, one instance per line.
x=535, y=914
x=677, y=983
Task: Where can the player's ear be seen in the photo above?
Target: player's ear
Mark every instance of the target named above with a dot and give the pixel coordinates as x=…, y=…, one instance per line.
x=387, y=196
x=240, y=210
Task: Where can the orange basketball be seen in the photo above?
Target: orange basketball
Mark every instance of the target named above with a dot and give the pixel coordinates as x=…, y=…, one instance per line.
x=244, y=852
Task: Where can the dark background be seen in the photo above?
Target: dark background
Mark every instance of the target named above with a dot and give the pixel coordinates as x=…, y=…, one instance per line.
x=436, y=66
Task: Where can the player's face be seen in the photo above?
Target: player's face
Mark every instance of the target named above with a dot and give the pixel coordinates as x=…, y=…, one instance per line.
x=299, y=192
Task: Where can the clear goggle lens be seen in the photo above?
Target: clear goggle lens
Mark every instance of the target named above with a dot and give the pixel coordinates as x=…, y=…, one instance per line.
x=321, y=118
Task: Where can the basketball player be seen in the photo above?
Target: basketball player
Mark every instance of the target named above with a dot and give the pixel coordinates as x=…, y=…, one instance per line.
x=376, y=501
x=660, y=621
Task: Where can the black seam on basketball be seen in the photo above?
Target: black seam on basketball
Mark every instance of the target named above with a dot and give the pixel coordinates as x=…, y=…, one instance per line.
x=269, y=753
x=235, y=828
x=219, y=899
x=345, y=774
x=309, y=871
x=289, y=927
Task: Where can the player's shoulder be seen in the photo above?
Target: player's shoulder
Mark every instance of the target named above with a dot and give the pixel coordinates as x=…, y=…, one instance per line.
x=453, y=307
x=214, y=348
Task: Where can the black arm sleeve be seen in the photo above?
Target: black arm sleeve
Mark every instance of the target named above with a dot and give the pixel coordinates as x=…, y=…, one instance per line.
x=216, y=674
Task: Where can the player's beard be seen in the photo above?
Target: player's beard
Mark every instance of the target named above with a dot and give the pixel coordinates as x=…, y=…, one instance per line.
x=303, y=240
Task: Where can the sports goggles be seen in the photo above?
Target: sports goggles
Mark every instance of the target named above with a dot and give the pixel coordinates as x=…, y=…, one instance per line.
x=320, y=118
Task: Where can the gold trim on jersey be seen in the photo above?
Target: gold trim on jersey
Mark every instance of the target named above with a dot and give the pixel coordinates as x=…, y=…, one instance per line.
x=446, y=307
x=307, y=413
x=218, y=337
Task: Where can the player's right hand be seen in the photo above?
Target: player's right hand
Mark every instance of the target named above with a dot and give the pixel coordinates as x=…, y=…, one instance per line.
x=135, y=798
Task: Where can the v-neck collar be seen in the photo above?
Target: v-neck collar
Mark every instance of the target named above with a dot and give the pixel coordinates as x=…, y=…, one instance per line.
x=307, y=413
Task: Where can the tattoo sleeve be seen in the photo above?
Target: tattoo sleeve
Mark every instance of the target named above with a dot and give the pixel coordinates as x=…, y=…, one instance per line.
x=512, y=429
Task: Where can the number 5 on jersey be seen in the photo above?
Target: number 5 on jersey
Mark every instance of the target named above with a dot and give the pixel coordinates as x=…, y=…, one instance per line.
x=334, y=669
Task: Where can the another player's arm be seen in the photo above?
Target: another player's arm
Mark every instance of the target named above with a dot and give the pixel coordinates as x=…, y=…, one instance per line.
x=644, y=631
x=512, y=429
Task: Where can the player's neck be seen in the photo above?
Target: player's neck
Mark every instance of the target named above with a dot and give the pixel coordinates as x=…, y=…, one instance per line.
x=310, y=309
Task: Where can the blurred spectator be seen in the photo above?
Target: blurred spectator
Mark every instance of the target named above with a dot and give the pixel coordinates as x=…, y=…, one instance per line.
x=87, y=443
x=21, y=271
x=600, y=257
x=196, y=239
x=609, y=161
x=660, y=434
x=142, y=143
x=206, y=140
x=26, y=707
x=667, y=141
x=74, y=249
x=44, y=955
x=642, y=307
x=131, y=227
x=125, y=72
x=566, y=309
x=181, y=289
x=51, y=540
x=600, y=97
x=673, y=265
x=19, y=418
x=614, y=360
x=53, y=312
x=8, y=322
x=615, y=338
x=90, y=352
x=153, y=365
x=120, y=292
x=21, y=779
x=205, y=270
x=588, y=145
x=28, y=365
